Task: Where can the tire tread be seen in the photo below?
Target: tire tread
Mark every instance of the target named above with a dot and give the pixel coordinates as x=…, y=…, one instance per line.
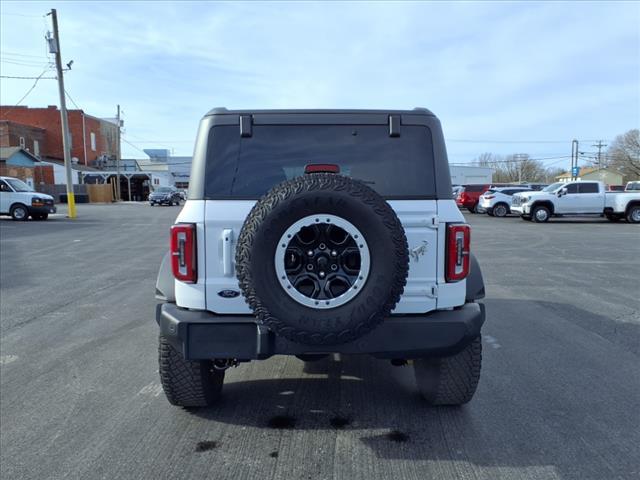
x=187, y=383
x=455, y=378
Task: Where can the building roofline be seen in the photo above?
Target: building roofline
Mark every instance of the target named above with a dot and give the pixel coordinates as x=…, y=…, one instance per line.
x=7, y=121
x=15, y=150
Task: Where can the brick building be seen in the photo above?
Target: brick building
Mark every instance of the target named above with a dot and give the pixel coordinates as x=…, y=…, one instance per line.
x=91, y=137
x=30, y=138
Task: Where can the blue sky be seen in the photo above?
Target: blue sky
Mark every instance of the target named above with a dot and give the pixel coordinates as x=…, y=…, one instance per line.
x=494, y=72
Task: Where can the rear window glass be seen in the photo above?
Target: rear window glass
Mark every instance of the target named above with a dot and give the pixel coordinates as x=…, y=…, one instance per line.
x=588, y=188
x=248, y=167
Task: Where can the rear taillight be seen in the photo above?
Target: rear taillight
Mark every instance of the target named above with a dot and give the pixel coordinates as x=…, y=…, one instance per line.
x=183, y=252
x=458, y=241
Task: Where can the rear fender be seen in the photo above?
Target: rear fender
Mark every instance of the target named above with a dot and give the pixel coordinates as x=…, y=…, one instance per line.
x=475, y=282
x=165, y=284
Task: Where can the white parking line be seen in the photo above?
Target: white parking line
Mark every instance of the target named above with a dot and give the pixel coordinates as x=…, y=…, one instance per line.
x=491, y=341
x=7, y=359
x=153, y=390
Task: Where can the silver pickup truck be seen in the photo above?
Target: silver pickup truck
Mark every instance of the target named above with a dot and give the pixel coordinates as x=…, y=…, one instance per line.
x=578, y=198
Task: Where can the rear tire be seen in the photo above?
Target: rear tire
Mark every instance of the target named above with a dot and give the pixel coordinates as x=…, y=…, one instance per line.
x=633, y=214
x=500, y=210
x=450, y=380
x=188, y=383
x=19, y=213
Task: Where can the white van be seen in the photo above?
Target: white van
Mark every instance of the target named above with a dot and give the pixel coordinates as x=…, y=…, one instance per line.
x=21, y=202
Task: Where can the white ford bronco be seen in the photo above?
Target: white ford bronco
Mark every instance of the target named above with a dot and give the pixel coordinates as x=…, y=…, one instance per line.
x=311, y=232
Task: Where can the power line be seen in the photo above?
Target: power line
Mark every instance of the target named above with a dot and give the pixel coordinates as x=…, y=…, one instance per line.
x=26, y=94
x=28, y=78
x=26, y=65
x=21, y=15
x=25, y=61
x=160, y=141
x=72, y=101
x=25, y=55
x=134, y=146
x=510, y=141
x=599, y=145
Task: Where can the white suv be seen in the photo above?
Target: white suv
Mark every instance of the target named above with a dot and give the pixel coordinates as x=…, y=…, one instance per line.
x=314, y=232
x=497, y=201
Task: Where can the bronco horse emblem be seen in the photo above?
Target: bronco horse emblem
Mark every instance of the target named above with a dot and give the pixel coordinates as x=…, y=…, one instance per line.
x=418, y=251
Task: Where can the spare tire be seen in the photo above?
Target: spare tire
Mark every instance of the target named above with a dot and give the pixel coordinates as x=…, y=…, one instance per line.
x=322, y=259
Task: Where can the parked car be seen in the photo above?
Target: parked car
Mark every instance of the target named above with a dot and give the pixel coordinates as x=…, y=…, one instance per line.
x=632, y=186
x=533, y=186
x=165, y=196
x=577, y=198
x=497, y=201
x=615, y=188
x=285, y=254
x=469, y=196
x=21, y=201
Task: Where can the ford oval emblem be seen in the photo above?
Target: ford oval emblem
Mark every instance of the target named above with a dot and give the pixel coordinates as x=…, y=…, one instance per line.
x=228, y=293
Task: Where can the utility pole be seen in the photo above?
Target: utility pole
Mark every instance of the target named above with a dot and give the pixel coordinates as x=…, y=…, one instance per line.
x=574, y=157
x=71, y=201
x=118, y=159
x=519, y=158
x=599, y=145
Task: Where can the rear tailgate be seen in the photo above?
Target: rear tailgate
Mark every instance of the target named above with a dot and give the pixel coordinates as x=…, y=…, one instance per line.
x=224, y=219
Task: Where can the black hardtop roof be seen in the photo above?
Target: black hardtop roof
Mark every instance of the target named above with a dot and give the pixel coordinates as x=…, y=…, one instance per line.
x=225, y=111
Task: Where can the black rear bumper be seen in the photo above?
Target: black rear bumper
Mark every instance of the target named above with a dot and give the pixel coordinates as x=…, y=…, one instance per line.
x=203, y=335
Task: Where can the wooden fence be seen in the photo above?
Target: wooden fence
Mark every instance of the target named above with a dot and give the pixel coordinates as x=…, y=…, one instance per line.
x=100, y=193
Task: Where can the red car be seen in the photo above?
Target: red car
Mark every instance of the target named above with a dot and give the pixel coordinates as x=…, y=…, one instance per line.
x=469, y=196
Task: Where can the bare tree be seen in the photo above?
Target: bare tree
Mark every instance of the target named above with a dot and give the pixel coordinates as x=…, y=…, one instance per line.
x=486, y=159
x=512, y=168
x=624, y=154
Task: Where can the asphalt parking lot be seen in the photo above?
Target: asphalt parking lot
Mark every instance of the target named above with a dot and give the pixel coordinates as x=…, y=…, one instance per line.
x=559, y=396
